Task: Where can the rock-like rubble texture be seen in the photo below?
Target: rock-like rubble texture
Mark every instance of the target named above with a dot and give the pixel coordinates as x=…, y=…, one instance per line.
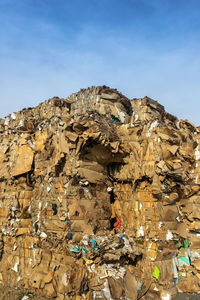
x=100, y=199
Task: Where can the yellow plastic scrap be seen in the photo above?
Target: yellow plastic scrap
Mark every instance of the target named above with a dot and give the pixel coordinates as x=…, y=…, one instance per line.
x=156, y=272
x=88, y=261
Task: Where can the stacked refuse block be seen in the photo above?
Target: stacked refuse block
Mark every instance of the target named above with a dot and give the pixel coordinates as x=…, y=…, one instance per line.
x=99, y=199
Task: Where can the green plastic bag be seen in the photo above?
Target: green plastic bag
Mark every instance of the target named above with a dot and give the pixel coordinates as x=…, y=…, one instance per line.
x=156, y=272
x=185, y=260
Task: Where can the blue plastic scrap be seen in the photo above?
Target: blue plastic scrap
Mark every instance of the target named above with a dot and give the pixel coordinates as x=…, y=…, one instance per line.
x=75, y=250
x=94, y=244
x=122, y=235
x=69, y=235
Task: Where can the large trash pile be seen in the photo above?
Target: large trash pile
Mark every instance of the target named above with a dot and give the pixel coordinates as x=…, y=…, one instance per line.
x=99, y=199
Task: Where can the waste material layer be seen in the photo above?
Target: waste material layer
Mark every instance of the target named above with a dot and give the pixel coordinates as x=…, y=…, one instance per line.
x=100, y=199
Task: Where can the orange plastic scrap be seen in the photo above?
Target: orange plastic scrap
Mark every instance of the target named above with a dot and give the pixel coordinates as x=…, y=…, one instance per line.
x=118, y=223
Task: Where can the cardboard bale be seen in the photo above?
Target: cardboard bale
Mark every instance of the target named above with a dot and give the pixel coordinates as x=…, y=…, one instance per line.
x=96, y=192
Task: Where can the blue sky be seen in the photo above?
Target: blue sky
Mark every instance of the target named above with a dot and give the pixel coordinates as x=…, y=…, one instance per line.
x=141, y=47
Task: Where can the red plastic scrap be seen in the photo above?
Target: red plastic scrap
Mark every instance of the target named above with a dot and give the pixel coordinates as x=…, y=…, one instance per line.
x=118, y=223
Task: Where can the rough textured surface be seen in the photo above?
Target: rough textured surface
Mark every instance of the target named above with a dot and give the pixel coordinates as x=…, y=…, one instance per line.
x=16, y=294
x=99, y=199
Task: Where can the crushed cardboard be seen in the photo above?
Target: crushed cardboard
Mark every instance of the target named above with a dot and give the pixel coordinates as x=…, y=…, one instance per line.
x=98, y=192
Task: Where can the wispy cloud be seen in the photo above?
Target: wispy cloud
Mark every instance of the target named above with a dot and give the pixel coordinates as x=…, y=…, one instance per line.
x=154, y=52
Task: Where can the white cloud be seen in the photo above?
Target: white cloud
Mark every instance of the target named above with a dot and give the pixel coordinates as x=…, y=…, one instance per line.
x=54, y=62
